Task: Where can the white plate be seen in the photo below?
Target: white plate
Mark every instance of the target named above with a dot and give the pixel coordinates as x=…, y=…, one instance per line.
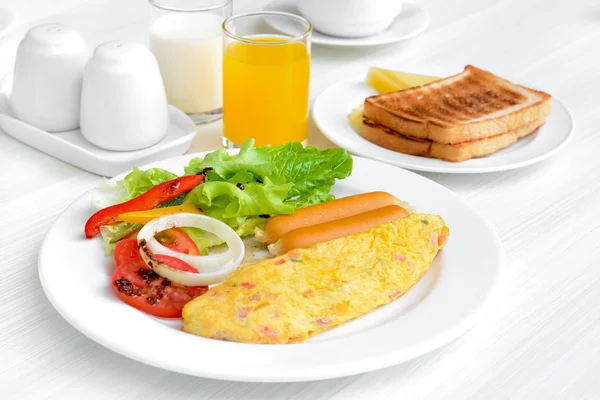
x=75, y=275
x=412, y=20
x=71, y=147
x=331, y=108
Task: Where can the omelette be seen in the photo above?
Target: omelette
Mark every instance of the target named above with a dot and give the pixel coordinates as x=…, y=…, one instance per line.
x=289, y=298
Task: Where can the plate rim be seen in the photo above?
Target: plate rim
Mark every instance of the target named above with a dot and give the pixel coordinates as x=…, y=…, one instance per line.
x=450, y=169
x=319, y=373
x=365, y=41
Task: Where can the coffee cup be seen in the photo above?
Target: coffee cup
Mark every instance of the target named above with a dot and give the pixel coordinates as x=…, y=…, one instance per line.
x=350, y=18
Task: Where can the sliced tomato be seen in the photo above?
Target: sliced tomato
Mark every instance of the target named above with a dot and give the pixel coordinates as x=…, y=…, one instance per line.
x=176, y=239
x=140, y=287
x=127, y=250
x=175, y=263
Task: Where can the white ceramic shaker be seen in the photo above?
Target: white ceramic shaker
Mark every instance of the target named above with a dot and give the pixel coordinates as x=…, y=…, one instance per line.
x=123, y=102
x=48, y=76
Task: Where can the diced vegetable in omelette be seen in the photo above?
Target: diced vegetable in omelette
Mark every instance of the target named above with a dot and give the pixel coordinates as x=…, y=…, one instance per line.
x=289, y=298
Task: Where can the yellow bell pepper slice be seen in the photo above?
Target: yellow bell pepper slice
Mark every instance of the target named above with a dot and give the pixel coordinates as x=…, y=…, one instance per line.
x=143, y=217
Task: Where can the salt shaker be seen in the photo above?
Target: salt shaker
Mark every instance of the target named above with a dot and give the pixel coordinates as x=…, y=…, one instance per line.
x=123, y=101
x=48, y=76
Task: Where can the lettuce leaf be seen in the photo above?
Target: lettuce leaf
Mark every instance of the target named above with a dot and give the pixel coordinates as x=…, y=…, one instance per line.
x=204, y=240
x=139, y=181
x=276, y=180
x=107, y=194
x=111, y=234
x=312, y=171
x=249, y=225
x=231, y=204
x=224, y=166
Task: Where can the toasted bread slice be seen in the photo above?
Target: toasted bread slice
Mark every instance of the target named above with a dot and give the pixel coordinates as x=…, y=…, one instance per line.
x=472, y=105
x=392, y=140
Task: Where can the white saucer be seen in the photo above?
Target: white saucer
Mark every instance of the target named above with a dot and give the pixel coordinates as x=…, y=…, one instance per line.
x=413, y=20
x=72, y=148
x=331, y=108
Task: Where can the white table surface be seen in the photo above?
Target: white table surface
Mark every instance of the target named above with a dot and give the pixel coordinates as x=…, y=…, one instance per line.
x=540, y=336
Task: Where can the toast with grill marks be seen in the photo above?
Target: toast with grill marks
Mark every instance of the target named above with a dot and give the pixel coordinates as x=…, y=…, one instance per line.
x=474, y=104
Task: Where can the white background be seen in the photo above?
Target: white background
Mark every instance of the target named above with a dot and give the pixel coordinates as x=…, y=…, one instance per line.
x=540, y=337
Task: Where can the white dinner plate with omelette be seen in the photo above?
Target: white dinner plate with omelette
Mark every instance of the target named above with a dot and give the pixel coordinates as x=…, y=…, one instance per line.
x=75, y=276
x=331, y=108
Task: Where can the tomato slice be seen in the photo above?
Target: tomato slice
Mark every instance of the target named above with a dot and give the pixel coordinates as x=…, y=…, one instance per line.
x=176, y=239
x=140, y=287
x=175, y=263
x=127, y=250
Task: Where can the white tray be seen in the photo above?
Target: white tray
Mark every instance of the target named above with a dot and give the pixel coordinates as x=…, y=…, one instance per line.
x=71, y=147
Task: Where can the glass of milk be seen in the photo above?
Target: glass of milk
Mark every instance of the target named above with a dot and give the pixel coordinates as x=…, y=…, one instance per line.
x=185, y=37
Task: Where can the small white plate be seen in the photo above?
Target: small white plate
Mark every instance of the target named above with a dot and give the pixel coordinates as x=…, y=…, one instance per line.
x=412, y=20
x=72, y=148
x=331, y=108
x=75, y=275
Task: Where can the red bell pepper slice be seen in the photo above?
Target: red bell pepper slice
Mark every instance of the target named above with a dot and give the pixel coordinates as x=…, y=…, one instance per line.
x=158, y=194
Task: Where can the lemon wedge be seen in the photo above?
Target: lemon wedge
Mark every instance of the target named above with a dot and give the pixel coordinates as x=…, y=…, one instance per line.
x=356, y=117
x=387, y=81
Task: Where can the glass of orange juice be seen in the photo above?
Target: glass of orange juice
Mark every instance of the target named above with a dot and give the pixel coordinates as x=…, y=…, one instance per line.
x=265, y=78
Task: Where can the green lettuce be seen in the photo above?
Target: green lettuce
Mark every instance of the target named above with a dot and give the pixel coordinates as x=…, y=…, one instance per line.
x=244, y=189
x=224, y=166
x=276, y=180
x=111, y=234
x=312, y=171
x=139, y=181
x=225, y=200
x=204, y=240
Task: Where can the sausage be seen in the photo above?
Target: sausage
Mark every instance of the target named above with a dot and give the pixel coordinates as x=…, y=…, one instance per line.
x=278, y=226
x=308, y=236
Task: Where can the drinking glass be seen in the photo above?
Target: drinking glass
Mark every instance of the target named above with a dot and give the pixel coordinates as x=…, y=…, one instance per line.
x=265, y=78
x=185, y=37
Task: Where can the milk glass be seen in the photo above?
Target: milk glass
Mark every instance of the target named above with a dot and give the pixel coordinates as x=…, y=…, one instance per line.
x=185, y=37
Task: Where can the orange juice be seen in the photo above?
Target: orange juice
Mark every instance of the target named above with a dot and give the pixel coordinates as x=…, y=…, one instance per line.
x=265, y=90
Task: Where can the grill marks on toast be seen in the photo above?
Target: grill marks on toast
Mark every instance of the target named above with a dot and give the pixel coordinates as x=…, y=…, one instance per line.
x=460, y=101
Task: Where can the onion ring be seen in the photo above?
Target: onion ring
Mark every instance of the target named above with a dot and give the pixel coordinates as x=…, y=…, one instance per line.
x=211, y=269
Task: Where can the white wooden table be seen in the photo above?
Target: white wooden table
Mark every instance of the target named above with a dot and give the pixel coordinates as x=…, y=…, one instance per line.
x=540, y=337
